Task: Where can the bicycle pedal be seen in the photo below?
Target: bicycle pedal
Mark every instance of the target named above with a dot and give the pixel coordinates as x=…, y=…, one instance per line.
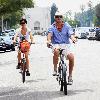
x=20, y=72
x=59, y=83
x=57, y=78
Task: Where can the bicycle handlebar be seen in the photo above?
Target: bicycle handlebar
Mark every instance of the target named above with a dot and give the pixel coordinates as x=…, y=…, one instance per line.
x=51, y=46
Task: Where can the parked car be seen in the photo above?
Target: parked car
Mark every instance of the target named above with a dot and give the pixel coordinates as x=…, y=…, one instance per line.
x=98, y=34
x=11, y=33
x=91, y=34
x=8, y=42
x=12, y=30
x=81, y=32
x=7, y=31
x=81, y=35
x=44, y=33
x=2, y=45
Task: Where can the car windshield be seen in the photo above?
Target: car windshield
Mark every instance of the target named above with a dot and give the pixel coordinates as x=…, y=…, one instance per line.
x=0, y=39
x=91, y=30
x=5, y=34
x=11, y=33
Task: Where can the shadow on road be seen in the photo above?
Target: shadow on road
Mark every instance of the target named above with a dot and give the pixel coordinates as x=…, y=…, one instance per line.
x=24, y=94
x=74, y=92
x=37, y=80
x=2, y=52
x=8, y=63
x=6, y=92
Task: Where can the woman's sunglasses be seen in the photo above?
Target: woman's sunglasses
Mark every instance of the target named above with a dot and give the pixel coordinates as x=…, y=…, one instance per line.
x=22, y=23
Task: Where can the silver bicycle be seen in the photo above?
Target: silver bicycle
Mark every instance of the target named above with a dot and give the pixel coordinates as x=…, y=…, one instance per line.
x=61, y=71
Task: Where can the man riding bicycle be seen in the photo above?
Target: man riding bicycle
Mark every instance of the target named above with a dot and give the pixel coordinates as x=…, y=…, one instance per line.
x=59, y=34
x=23, y=33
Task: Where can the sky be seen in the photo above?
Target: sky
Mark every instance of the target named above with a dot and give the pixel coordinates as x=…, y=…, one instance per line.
x=65, y=5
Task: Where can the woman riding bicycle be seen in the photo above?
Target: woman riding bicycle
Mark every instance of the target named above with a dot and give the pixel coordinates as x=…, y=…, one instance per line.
x=23, y=32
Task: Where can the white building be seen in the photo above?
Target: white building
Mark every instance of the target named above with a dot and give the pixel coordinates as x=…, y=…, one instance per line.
x=38, y=19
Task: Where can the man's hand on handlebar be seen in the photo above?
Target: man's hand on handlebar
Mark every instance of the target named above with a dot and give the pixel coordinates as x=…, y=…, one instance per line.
x=48, y=44
x=32, y=43
x=74, y=38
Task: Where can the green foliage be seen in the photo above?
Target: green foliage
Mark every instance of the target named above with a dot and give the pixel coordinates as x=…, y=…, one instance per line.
x=8, y=6
x=67, y=18
x=97, y=9
x=92, y=15
x=74, y=23
x=86, y=18
x=96, y=21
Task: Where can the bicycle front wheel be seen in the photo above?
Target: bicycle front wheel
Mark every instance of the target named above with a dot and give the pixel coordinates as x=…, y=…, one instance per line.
x=64, y=79
x=60, y=76
x=23, y=71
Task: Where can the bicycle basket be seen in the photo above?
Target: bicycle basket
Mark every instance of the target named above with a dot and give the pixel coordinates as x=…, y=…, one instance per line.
x=24, y=46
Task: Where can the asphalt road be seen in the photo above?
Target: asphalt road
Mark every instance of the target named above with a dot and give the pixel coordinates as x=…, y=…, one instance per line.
x=41, y=85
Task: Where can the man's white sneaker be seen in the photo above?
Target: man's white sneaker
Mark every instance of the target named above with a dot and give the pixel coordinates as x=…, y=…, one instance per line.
x=70, y=81
x=54, y=73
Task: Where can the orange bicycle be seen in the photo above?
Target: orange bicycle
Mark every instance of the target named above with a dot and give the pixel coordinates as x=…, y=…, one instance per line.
x=24, y=47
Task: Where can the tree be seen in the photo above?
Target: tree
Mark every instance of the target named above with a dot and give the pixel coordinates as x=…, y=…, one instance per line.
x=12, y=10
x=8, y=6
x=74, y=23
x=69, y=14
x=97, y=9
x=90, y=13
x=82, y=7
x=90, y=5
x=53, y=11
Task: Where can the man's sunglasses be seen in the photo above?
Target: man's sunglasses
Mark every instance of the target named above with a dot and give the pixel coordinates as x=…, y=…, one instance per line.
x=58, y=16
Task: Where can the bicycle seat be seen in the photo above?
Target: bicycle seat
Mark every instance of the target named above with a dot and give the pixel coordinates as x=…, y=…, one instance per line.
x=22, y=38
x=61, y=50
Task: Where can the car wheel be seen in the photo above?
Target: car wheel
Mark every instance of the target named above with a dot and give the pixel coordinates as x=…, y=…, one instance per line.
x=13, y=49
x=4, y=50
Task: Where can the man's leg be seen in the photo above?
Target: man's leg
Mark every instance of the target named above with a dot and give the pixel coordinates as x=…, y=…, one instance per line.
x=55, y=60
x=71, y=65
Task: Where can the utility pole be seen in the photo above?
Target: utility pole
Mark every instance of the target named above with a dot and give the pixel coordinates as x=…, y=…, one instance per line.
x=2, y=23
x=6, y=25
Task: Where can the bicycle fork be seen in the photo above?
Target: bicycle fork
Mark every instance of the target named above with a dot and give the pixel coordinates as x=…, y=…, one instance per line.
x=61, y=69
x=23, y=62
